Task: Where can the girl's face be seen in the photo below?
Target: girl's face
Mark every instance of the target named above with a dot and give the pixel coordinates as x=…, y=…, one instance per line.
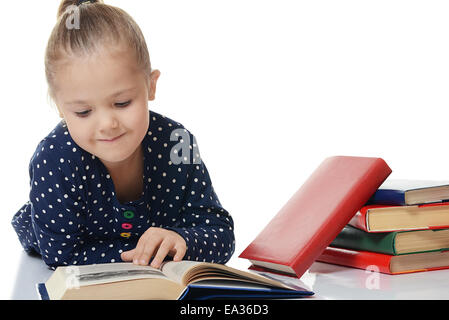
x=104, y=101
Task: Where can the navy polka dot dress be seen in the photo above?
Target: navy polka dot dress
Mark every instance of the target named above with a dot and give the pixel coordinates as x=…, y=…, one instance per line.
x=73, y=216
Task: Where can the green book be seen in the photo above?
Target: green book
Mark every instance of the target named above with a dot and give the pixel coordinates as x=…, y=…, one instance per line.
x=393, y=243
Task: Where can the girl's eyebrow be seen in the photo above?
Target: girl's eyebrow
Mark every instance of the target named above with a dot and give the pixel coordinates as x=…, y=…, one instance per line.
x=111, y=96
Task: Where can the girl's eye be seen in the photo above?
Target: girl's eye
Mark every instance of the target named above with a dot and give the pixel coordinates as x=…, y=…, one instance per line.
x=123, y=104
x=82, y=113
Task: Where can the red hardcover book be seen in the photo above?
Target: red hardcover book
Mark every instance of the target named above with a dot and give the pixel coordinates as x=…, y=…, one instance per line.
x=316, y=213
x=386, y=218
x=373, y=261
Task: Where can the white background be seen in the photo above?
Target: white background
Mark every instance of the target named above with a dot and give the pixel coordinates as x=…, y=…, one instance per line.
x=269, y=88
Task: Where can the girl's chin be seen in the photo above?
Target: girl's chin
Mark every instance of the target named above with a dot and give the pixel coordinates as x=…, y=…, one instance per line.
x=119, y=159
x=113, y=161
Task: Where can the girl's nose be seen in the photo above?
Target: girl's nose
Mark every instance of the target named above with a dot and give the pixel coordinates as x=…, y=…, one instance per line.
x=108, y=121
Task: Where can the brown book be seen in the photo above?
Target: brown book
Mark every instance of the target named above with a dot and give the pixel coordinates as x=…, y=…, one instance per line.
x=384, y=218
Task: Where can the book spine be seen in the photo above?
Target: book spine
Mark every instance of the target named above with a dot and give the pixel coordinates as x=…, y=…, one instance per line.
x=357, y=239
x=388, y=197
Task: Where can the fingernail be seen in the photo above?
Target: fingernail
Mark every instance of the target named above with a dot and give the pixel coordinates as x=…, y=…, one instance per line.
x=143, y=262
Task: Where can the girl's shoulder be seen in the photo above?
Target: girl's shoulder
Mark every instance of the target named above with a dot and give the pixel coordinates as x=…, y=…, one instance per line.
x=169, y=139
x=159, y=122
x=164, y=131
x=58, y=148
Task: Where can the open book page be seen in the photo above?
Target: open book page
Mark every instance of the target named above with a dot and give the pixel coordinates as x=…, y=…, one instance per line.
x=109, y=272
x=176, y=270
x=185, y=272
x=292, y=282
x=231, y=284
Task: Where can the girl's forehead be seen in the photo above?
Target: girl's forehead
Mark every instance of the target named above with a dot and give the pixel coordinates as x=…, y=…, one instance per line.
x=120, y=57
x=103, y=66
x=97, y=75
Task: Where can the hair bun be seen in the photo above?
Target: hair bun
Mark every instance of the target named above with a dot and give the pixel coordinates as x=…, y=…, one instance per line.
x=67, y=3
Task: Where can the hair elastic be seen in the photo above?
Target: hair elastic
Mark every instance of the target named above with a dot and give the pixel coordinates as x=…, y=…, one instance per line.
x=80, y=2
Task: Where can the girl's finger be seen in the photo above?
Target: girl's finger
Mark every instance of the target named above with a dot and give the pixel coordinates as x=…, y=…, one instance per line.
x=180, y=252
x=147, y=253
x=162, y=252
x=138, y=251
x=128, y=255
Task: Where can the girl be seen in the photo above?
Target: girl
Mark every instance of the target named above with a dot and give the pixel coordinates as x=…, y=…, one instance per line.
x=107, y=184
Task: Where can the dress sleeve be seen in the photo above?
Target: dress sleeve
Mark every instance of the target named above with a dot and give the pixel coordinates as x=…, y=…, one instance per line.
x=206, y=226
x=57, y=199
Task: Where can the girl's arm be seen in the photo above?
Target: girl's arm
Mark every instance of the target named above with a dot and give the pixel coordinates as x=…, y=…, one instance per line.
x=206, y=226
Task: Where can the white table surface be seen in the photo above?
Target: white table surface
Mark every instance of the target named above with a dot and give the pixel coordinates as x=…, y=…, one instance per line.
x=326, y=280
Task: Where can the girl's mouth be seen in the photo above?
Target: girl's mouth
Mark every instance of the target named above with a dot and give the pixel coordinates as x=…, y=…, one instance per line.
x=113, y=139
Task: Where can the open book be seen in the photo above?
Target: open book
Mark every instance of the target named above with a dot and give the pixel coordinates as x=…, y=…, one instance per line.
x=173, y=280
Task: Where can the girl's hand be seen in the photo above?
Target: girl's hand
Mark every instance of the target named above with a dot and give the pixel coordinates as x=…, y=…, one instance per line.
x=158, y=242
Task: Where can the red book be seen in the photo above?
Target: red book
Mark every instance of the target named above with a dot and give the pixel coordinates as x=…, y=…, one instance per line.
x=385, y=263
x=386, y=218
x=316, y=213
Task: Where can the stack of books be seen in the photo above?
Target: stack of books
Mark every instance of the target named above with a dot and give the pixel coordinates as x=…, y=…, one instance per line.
x=403, y=228
x=315, y=214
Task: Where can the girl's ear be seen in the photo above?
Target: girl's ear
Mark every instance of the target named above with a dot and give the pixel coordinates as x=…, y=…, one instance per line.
x=53, y=103
x=152, y=85
x=60, y=113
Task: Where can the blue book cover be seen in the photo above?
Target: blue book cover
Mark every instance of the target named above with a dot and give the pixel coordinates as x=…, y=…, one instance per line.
x=42, y=291
x=219, y=290
x=403, y=192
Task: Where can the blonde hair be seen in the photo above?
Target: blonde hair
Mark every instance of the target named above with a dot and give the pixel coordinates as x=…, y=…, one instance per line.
x=99, y=25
